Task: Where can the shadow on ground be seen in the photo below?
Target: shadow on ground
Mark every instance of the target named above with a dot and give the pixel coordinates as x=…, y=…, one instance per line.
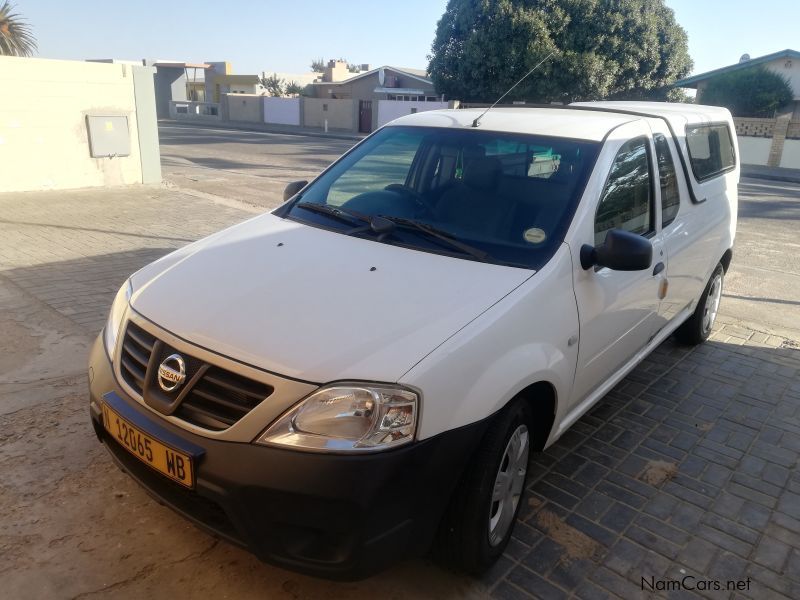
x=82, y=289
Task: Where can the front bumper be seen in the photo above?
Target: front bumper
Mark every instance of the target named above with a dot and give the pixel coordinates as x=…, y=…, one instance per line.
x=335, y=516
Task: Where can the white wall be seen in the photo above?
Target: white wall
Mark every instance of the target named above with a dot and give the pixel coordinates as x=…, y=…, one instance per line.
x=389, y=110
x=754, y=150
x=44, y=142
x=791, y=73
x=791, y=154
x=282, y=111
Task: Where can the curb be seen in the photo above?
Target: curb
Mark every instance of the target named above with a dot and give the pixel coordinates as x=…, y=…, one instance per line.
x=770, y=173
x=770, y=177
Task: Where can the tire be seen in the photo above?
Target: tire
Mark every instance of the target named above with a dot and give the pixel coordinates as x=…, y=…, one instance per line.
x=698, y=327
x=478, y=523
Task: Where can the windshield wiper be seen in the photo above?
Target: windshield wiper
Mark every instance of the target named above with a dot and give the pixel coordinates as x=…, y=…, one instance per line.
x=374, y=224
x=348, y=216
x=439, y=235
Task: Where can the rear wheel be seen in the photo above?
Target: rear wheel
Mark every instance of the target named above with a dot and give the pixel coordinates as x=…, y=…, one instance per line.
x=698, y=327
x=482, y=513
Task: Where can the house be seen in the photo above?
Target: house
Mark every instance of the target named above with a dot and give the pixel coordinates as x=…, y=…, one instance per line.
x=785, y=62
x=198, y=82
x=177, y=81
x=368, y=88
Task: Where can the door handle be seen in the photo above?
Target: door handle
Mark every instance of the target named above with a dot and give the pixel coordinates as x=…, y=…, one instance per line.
x=658, y=268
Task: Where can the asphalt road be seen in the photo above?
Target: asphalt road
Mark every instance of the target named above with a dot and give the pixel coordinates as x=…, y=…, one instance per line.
x=763, y=285
x=248, y=166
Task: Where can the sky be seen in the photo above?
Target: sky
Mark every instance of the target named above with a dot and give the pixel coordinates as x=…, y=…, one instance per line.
x=284, y=36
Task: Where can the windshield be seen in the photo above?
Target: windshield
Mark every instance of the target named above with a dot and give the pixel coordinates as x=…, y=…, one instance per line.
x=478, y=195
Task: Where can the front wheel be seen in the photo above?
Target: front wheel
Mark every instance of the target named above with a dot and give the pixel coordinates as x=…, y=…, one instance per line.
x=698, y=327
x=482, y=513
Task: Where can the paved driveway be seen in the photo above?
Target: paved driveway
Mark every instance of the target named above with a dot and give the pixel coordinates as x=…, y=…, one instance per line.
x=688, y=467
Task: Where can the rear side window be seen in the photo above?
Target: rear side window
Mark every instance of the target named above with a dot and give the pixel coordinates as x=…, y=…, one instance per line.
x=627, y=200
x=710, y=150
x=670, y=196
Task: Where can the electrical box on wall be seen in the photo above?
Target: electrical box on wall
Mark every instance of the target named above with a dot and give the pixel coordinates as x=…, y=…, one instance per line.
x=108, y=136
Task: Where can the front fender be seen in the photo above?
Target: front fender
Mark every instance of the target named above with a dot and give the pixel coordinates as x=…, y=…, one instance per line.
x=522, y=339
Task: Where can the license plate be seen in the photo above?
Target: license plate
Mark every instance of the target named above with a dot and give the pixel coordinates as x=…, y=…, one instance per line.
x=167, y=461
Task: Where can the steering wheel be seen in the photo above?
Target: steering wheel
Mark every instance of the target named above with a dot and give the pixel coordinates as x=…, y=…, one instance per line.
x=422, y=207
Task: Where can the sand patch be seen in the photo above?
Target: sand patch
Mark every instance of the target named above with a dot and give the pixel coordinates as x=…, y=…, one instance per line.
x=18, y=344
x=657, y=472
x=576, y=543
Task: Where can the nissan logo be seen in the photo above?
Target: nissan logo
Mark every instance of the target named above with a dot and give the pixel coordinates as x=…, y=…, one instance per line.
x=171, y=373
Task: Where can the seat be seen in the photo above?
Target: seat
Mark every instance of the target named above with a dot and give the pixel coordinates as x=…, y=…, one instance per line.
x=473, y=204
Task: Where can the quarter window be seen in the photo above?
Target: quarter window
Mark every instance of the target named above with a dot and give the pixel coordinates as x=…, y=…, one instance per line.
x=627, y=200
x=670, y=195
x=710, y=150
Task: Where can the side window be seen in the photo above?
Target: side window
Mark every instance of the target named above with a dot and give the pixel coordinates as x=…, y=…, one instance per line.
x=626, y=202
x=670, y=194
x=388, y=163
x=710, y=150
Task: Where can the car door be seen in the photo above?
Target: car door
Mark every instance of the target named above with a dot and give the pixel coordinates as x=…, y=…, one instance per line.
x=679, y=233
x=618, y=309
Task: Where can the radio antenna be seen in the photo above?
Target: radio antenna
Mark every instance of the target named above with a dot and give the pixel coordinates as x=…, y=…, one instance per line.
x=477, y=120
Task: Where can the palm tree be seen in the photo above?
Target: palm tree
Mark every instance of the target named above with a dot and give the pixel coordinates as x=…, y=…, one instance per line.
x=16, y=38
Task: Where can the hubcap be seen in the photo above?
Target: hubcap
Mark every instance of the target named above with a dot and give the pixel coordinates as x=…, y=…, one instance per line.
x=712, y=303
x=508, y=485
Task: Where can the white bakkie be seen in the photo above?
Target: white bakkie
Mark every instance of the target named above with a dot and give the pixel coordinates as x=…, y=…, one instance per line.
x=363, y=372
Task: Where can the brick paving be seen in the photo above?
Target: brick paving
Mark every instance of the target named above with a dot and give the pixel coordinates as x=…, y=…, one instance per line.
x=688, y=467
x=722, y=423
x=73, y=249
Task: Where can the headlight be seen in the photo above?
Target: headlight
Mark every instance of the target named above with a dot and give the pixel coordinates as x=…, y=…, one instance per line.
x=348, y=418
x=111, y=331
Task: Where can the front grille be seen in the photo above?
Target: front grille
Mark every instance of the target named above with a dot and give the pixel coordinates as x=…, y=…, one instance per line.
x=212, y=397
x=220, y=398
x=137, y=346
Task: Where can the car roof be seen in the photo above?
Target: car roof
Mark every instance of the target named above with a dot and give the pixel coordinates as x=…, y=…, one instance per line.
x=556, y=122
x=580, y=120
x=692, y=112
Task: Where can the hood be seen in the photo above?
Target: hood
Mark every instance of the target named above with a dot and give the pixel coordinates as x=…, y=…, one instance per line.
x=313, y=304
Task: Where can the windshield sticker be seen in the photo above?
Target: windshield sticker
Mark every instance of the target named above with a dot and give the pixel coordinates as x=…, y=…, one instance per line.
x=534, y=235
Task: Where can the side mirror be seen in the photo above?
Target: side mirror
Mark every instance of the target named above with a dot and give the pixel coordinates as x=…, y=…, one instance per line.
x=291, y=189
x=622, y=251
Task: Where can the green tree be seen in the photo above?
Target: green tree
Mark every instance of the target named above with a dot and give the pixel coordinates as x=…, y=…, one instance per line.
x=629, y=49
x=318, y=65
x=751, y=92
x=273, y=83
x=16, y=38
x=293, y=88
